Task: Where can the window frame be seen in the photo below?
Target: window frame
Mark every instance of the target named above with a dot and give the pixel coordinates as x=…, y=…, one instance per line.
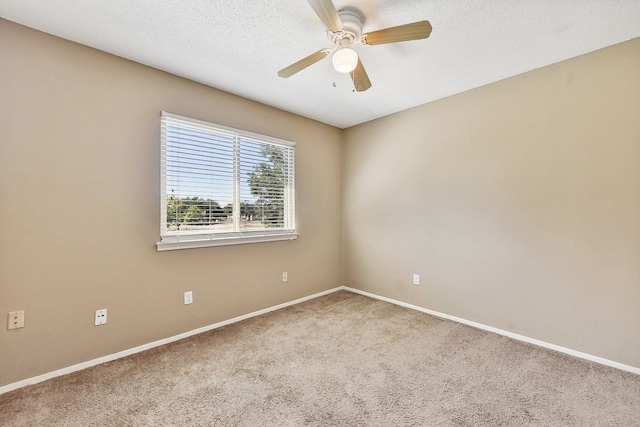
x=187, y=241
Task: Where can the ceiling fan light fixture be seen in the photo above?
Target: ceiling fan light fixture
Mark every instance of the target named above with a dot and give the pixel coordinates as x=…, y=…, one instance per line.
x=345, y=60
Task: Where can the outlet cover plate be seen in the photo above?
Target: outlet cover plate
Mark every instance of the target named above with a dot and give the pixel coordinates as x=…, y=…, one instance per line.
x=16, y=319
x=101, y=317
x=188, y=297
x=416, y=279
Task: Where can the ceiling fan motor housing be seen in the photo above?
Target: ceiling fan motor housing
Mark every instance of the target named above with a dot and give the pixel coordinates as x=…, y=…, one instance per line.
x=352, y=21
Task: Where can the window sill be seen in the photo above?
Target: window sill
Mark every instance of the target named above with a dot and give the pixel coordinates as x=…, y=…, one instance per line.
x=222, y=241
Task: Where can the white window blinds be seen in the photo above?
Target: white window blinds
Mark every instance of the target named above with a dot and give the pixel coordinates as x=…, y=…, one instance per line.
x=223, y=186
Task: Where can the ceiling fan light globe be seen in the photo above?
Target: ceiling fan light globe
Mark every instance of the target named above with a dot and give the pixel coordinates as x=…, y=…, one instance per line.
x=345, y=60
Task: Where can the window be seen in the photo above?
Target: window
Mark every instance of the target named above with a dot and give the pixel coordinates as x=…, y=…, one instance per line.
x=222, y=186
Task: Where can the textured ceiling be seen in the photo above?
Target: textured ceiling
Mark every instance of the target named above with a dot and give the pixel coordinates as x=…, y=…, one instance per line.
x=239, y=46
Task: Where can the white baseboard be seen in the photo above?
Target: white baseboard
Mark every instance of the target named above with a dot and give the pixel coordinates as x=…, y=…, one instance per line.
x=518, y=337
x=128, y=352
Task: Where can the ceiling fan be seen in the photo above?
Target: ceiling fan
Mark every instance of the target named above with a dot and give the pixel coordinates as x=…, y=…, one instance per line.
x=344, y=30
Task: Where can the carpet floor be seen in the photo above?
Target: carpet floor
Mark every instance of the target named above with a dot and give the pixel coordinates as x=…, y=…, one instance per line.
x=338, y=360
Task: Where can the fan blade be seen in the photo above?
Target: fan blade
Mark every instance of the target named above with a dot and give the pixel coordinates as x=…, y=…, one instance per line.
x=328, y=14
x=360, y=78
x=401, y=33
x=303, y=63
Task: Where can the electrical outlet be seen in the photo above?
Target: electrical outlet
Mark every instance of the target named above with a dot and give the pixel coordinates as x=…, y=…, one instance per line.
x=16, y=319
x=416, y=279
x=285, y=276
x=101, y=317
x=188, y=297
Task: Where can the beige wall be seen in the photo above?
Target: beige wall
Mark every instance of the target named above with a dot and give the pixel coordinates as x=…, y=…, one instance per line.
x=79, y=211
x=518, y=203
